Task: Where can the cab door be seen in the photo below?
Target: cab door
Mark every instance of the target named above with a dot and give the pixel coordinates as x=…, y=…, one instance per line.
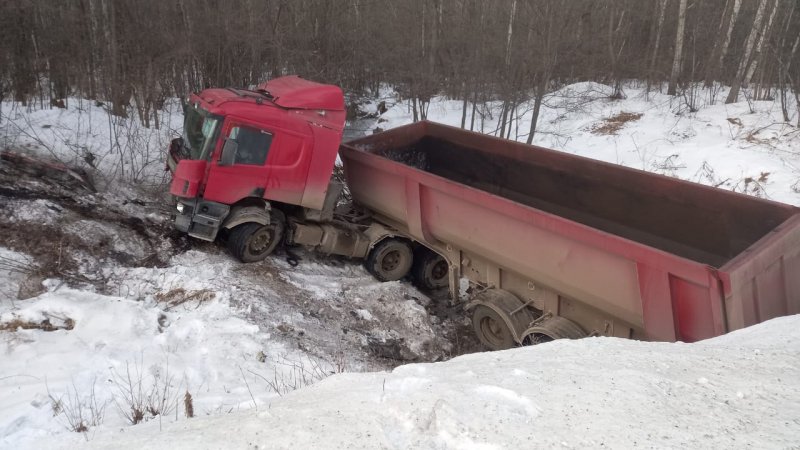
x=270, y=162
x=247, y=175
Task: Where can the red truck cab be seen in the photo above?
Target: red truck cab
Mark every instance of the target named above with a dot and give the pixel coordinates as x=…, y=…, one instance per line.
x=244, y=152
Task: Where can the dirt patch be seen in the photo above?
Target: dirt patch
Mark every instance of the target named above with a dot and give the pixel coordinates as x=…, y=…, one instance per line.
x=455, y=325
x=72, y=232
x=611, y=125
x=376, y=327
x=46, y=246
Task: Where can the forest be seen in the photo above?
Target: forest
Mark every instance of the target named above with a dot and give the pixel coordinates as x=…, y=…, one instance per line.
x=137, y=54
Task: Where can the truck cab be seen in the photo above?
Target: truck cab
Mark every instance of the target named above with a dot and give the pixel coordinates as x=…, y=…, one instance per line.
x=247, y=155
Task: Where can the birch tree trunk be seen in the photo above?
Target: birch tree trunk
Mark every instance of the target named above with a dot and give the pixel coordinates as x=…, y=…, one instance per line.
x=676, y=62
x=435, y=28
x=785, y=62
x=659, y=26
x=510, y=31
x=733, y=95
x=760, y=45
x=713, y=73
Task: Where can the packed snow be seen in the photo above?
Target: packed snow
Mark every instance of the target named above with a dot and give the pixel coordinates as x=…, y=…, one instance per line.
x=268, y=352
x=737, y=391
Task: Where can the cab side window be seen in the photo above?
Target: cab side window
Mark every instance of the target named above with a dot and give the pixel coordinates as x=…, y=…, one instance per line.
x=253, y=145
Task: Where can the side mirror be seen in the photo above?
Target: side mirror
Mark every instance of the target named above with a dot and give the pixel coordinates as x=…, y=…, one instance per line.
x=228, y=152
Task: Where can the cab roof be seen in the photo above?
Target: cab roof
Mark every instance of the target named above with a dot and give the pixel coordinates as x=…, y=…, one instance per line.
x=297, y=93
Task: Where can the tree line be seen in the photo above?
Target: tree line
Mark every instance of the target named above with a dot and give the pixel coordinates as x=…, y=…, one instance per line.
x=134, y=55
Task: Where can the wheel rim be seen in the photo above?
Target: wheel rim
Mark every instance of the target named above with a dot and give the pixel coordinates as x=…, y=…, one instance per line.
x=260, y=242
x=439, y=270
x=536, y=338
x=492, y=331
x=391, y=261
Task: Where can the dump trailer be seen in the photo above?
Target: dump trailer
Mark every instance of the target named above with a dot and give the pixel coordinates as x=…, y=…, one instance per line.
x=565, y=246
x=553, y=245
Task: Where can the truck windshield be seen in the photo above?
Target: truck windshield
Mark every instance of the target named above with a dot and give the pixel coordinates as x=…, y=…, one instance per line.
x=200, y=132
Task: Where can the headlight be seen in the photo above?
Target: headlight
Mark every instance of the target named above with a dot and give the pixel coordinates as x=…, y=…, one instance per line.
x=180, y=208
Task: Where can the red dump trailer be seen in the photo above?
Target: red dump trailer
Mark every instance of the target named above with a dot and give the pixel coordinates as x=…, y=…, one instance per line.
x=555, y=245
x=566, y=246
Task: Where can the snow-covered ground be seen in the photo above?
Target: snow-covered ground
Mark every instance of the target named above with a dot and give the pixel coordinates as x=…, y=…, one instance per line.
x=130, y=313
x=129, y=306
x=736, y=391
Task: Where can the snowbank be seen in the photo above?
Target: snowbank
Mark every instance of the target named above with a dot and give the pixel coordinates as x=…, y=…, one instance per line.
x=736, y=391
x=200, y=347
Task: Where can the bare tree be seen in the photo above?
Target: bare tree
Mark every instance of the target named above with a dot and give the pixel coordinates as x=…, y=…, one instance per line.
x=473, y=50
x=677, y=60
x=748, y=50
x=758, y=53
x=658, y=26
x=721, y=47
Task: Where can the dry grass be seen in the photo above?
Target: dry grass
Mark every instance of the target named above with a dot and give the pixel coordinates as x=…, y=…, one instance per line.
x=44, y=325
x=138, y=400
x=77, y=411
x=299, y=373
x=753, y=185
x=611, y=125
x=735, y=121
x=179, y=296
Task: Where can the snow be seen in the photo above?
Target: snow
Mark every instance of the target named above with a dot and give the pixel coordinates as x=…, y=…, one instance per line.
x=260, y=347
x=736, y=391
x=719, y=145
x=204, y=345
x=231, y=336
x=122, y=150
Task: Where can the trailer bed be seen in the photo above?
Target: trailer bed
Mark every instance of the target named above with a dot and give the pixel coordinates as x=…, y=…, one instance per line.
x=703, y=261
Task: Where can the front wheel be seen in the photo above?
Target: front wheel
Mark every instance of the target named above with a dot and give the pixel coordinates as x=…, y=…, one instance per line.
x=390, y=260
x=252, y=242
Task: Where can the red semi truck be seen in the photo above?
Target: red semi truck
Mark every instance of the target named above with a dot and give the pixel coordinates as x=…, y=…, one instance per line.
x=555, y=245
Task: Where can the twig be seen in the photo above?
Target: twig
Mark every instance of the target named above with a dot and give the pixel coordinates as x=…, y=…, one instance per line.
x=248, y=388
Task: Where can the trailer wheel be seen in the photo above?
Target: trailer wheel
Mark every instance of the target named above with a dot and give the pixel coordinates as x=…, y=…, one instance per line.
x=430, y=270
x=390, y=260
x=552, y=328
x=491, y=329
x=499, y=317
x=252, y=242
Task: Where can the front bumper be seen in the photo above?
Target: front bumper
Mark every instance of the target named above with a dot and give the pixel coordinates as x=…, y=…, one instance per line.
x=199, y=218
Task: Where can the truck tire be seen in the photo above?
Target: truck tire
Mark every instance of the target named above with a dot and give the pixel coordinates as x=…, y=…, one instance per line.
x=430, y=270
x=252, y=242
x=499, y=317
x=491, y=329
x=390, y=260
x=553, y=328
